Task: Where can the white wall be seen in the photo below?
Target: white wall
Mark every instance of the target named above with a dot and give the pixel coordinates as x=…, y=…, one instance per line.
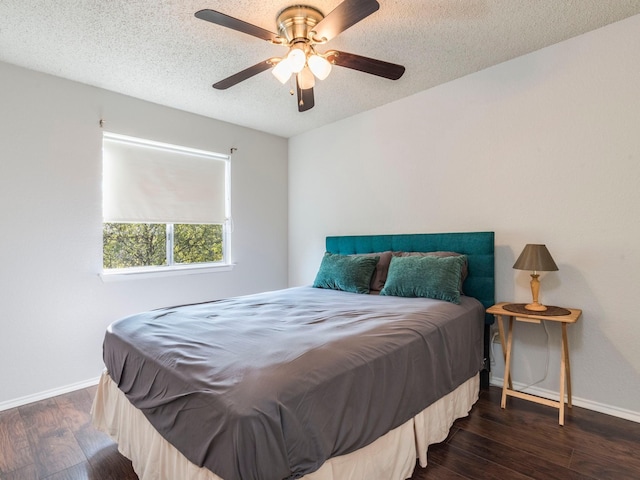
x=54, y=308
x=541, y=149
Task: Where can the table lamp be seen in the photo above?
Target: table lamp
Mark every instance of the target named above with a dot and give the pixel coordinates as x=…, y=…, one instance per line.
x=535, y=258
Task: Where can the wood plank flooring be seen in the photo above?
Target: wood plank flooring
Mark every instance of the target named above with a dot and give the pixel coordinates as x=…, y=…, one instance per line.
x=54, y=440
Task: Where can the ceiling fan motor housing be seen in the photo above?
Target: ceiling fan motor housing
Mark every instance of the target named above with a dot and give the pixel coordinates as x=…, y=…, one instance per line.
x=297, y=21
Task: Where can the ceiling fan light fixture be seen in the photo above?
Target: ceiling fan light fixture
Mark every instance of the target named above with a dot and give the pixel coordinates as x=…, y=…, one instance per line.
x=320, y=66
x=282, y=71
x=306, y=80
x=297, y=58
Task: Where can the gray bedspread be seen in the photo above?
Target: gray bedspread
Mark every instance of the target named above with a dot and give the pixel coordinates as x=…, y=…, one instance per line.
x=269, y=386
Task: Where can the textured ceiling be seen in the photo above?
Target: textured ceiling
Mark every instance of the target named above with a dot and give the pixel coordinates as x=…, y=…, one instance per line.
x=158, y=51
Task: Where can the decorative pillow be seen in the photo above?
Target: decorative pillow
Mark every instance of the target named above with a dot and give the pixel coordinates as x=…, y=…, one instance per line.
x=382, y=268
x=465, y=268
x=425, y=276
x=346, y=272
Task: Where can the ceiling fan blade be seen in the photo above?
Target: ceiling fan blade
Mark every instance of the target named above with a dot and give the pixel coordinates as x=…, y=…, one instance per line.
x=306, y=100
x=388, y=70
x=235, y=24
x=345, y=15
x=243, y=75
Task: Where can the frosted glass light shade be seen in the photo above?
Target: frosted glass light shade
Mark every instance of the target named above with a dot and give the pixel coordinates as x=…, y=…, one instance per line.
x=319, y=66
x=282, y=71
x=306, y=80
x=297, y=59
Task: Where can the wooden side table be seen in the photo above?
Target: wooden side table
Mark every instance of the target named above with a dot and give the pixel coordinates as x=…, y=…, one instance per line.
x=502, y=315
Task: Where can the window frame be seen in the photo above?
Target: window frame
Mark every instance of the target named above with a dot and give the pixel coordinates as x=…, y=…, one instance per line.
x=108, y=274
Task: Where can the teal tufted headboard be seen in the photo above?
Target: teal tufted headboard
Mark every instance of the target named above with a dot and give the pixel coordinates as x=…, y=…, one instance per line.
x=477, y=246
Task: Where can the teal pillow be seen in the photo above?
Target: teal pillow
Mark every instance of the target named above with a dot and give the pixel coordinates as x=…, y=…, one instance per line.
x=430, y=277
x=346, y=272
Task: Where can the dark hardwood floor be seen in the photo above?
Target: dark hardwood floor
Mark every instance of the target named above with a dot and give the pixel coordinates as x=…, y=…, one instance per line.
x=54, y=440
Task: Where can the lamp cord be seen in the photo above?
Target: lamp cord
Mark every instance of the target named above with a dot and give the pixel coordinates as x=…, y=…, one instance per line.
x=546, y=366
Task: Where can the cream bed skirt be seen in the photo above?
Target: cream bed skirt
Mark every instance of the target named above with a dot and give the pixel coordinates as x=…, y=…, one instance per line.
x=390, y=457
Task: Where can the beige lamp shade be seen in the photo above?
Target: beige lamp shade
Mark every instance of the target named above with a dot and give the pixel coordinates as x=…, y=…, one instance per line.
x=535, y=258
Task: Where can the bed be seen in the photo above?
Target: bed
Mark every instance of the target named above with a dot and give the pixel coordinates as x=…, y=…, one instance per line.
x=313, y=383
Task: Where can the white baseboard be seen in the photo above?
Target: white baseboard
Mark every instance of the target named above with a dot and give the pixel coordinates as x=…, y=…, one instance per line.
x=577, y=401
x=18, y=402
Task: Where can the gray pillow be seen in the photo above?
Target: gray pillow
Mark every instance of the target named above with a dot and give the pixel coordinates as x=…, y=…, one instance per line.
x=382, y=268
x=346, y=272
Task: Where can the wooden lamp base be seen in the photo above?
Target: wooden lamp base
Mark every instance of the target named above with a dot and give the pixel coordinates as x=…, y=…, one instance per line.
x=535, y=289
x=535, y=307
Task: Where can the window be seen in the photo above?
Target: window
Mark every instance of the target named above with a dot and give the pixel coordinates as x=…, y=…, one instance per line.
x=163, y=205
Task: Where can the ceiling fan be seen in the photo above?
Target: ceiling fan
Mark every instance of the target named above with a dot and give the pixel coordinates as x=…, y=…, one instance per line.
x=300, y=29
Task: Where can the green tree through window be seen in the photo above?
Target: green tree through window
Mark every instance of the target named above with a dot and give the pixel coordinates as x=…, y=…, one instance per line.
x=145, y=244
x=197, y=243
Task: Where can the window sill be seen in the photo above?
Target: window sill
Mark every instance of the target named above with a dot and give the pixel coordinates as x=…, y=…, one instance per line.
x=134, y=273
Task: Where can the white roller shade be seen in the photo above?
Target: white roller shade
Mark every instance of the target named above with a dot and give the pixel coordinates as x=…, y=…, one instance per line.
x=148, y=182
